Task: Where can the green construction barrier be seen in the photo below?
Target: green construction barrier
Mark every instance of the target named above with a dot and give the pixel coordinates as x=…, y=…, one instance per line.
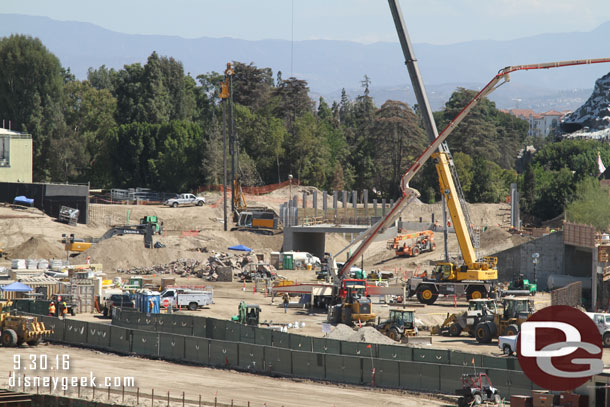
x=40, y=307
x=196, y=350
x=519, y=383
x=400, y=353
x=386, y=372
x=246, y=334
x=120, y=339
x=22, y=305
x=224, y=354
x=145, y=343
x=301, y=343
x=429, y=377
x=500, y=380
x=280, y=339
x=492, y=362
x=200, y=327
x=278, y=361
x=177, y=324
x=328, y=346
x=232, y=331
x=451, y=377
x=171, y=346
x=513, y=364
x=75, y=332
x=366, y=350
x=344, y=369
x=465, y=359
x=98, y=335
x=217, y=329
x=251, y=357
x=58, y=327
x=263, y=336
x=439, y=356
x=308, y=364
x=146, y=322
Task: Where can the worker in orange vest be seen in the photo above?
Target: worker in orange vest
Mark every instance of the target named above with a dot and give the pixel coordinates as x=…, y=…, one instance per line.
x=52, y=309
x=64, y=309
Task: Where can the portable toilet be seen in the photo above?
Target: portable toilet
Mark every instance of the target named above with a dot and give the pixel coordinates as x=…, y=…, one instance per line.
x=287, y=261
x=148, y=302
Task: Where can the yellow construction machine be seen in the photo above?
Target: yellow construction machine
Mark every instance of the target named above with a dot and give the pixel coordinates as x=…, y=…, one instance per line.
x=507, y=321
x=18, y=329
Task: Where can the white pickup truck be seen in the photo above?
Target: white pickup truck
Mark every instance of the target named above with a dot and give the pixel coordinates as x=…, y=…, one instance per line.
x=187, y=298
x=508, y=344
x=602, y=321
x=185, y=199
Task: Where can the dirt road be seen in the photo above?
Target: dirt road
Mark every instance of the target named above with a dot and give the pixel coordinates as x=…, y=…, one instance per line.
x=194, y=381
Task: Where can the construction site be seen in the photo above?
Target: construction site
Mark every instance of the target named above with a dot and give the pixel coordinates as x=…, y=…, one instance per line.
x=288, y=295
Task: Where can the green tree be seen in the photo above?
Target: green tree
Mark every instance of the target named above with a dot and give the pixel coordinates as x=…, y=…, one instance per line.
x=591, y=205
x=251, y=85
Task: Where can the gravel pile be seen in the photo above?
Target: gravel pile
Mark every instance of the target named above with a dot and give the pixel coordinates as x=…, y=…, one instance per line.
x=366, y=334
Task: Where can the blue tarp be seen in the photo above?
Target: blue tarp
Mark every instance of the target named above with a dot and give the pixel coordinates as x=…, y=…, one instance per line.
x=23, y=200
x=17, y=287
x=241, y=248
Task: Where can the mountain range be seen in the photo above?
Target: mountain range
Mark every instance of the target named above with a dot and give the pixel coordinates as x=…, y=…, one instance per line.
x=329, y=66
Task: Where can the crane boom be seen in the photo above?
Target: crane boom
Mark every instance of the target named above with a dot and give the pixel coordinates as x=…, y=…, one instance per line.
x=409, y=194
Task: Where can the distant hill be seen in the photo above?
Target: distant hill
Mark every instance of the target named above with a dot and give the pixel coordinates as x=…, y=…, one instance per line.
x=329, y=66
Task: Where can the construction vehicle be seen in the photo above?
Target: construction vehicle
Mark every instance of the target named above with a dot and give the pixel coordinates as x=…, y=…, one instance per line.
x=400, y=323
x=354, y=307
x=506, y=321
x=455, y=324
x=520, y=286
x=247, y=314
x=80, y=245
x=602, y=321
x=476, y=389
x=18, y=329
x=153, y=220
x=259, y=219
x=412, y=244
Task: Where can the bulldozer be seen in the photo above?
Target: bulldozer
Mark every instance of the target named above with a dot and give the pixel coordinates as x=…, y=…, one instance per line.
x=247, y=314
x=455, y=324
x=353, y=307
x=400, y=323
x=515, y=311
x=18, y=329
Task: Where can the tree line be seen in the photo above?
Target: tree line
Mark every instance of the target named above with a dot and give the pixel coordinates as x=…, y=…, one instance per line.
x=155, y=126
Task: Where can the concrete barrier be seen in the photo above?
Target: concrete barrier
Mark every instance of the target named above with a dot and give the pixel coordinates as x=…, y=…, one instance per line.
x=171, y=346
x=328, y=346
x=431, y=355
x=280, y=339
x=494, y=363
x=223, y=354
x=308, y=364
x=247, y=334
x=196, y=350
x=263, y=336
x=120, y=339
x=465, y=359
x=400, y=353
x=359, y=349
x=232, y=331
x=75, y=332
x=58, y=327
x=200, y=327
x=216, y=329
x=145, y=343
x=451, y=377
x=278, y=360
x=99, y=335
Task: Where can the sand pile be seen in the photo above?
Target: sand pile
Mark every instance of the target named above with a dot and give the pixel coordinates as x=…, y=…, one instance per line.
x=366, y=334
x=37, y=247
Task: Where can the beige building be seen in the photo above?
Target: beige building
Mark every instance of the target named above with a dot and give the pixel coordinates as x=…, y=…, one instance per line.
x=15, y=156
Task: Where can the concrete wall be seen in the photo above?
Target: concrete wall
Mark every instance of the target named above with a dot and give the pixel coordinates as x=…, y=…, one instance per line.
x=518, y=260
x=19, y=168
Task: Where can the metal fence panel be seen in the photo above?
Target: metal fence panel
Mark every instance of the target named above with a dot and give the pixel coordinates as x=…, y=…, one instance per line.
x=171, y=346
x=145, y=343
x=344, y=369
x=301, y=343
x=451, y=378
x=196, y=350
x=181, y=325
x=381, y=373
x=430, y=377
x=251, y=357
x=223, y=354
x=308, y=364
x=280, y=339
x=492, y=362
x=431, y=355
x=246, y=334
x=75, y=332
x=200, y=327
x=409, y=376
x=278, y=360
x=359, y=349
x=98, y=335
x=500, y=380
x=120, y=339
x=325, y=345
x=519, y=383
x=263, y=336
x=401, y=353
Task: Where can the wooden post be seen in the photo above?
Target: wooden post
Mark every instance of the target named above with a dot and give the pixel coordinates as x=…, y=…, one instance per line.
x=108, y=393
x=168, y=398
x=152, y=401
x=123, y=394
x=182, y=399
x=138, y=396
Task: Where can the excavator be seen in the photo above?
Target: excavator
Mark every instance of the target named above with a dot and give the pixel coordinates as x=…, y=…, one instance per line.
x=259, y=219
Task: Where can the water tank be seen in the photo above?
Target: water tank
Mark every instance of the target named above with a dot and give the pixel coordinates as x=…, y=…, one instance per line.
x=561, y=280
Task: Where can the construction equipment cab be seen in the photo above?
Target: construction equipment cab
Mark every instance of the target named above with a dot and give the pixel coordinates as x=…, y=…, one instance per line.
x=412, y=244
x=264, y=221
x=400, y=323
x=247, y=314
x=507, y=321
x=354, y=307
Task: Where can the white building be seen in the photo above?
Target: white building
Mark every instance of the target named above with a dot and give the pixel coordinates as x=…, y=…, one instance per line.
x=540, y=123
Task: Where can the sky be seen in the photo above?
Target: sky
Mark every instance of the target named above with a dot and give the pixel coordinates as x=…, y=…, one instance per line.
x=365, y=21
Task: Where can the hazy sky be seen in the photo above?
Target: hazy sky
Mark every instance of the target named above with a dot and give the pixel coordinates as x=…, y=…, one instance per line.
x=431, y=21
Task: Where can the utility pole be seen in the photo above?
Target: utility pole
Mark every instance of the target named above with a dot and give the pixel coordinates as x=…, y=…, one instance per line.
x=229, y=86
x=224, y=94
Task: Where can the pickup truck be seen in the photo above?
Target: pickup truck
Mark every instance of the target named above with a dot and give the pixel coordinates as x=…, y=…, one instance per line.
x=185, y=199
x=117, y=301
x=187, y=298
x=508, y=344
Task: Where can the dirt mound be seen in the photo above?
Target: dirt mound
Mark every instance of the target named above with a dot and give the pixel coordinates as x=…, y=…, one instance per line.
x=37, y=247
x=366, y=334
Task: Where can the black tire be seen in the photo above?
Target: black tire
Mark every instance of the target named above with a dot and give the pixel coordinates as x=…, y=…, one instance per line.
x=9, y=338
x=476, y=292
x=35, y=342
x=193, y=306
x=427, y=294
x=455, y=329
x=415, y=251
x=478, y=399
x=482, y=332
x=347, y=316
x=606, y=339
x=511, y=330
x=462, y=402
x=72, y=312
x=507, y=350
x=497, y=399
x=199, y=203
x=175, y=205
x=394, y=334
x=105, y=312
